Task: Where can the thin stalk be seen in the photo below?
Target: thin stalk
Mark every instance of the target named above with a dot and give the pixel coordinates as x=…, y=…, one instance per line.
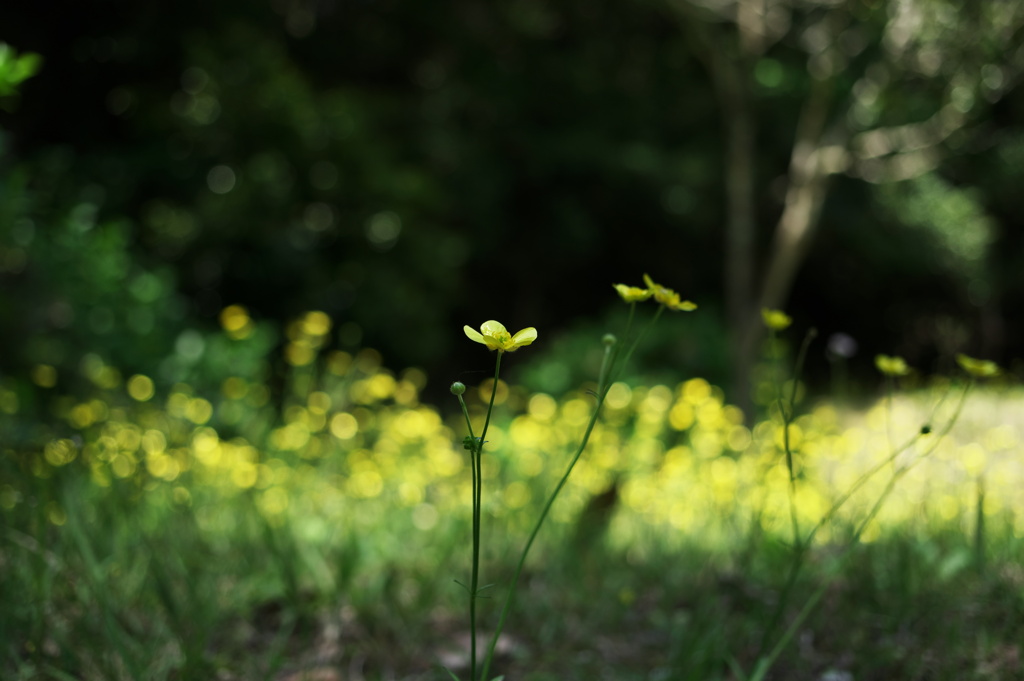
x=765, y=663
x=787, y=413
x=610, y=364
x=616, y=350
x=640, y=336
x=604, y=384
x=494, y=391
x=979, y=526
x=874, y=470
x=787, y=420
x=906, y=469
x=890, y=389
x=476, y=469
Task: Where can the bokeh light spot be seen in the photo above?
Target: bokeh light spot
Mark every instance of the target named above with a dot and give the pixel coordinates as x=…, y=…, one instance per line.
x=425, y=516
x=141, y=388
x=542, y=406
x=221, y=179
x=344, y=426
x=383, y=229
x=235, y=321
x=44, y=375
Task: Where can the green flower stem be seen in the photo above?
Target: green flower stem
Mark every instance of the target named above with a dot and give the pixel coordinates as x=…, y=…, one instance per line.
x=765, y=662
x=788, y=416
x=474, y=576
x=900, y=472
x=618, y=347
x=979, y=525
x=476, y=468
x=891, y=459
x=787, y=412
x=604, y=384
x=494, y=391
x=642, y=334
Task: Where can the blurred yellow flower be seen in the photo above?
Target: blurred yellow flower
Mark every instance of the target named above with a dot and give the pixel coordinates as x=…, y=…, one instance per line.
x=660, y=292
x=891, y=366
x=633, y=294
x=776, y=320
x=979, y=368
x=668, y=297
x=674, y=302
x=494, y=335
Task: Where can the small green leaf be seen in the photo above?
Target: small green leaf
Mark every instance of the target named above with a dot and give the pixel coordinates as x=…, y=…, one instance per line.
x=26, y=66
x=15, y=69
x=451, y=673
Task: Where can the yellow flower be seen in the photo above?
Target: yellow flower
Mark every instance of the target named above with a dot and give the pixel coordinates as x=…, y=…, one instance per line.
x=891, y=366
x=776, y=320
x=979, y=368
x=495, y=337
x=668, y=297
x=632, y=294
x=661, y=293
x=674, y=302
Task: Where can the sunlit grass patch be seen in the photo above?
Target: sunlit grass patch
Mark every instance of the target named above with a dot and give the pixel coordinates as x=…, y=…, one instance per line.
x=359, y=445
x=715, y=477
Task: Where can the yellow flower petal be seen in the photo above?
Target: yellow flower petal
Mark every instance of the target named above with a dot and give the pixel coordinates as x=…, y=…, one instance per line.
x=473, y=334
x=661, y=293
x=667, y=296
x=493, y=328
x=979, y=368
x=496, y=337
x=632, y=294
x=891, y=366
x=681, y=305
x=524, y=337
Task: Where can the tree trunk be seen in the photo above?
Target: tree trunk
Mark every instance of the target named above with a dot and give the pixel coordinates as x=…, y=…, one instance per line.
x=730, y=71
x=805, y=195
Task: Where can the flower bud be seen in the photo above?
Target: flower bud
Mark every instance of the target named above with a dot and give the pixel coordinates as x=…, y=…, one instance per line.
x=979, y=368
x=609, y=339
x=458, y=388
x=776, y=320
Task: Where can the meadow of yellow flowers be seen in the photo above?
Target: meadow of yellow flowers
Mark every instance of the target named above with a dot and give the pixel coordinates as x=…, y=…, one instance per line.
x=351, y=445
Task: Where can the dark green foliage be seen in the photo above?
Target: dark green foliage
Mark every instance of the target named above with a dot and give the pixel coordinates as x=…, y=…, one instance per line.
x=409, y=169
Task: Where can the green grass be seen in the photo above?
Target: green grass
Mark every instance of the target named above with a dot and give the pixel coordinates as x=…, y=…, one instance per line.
x=182, y=536
x=126, y=591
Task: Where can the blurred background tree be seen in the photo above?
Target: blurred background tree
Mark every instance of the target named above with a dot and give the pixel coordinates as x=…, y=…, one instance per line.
x=412, y=168
x=881, y=89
